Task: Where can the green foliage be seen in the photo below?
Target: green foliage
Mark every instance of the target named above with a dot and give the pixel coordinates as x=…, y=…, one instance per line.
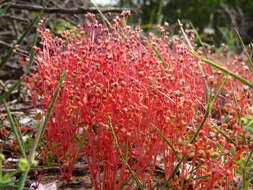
x=208, y=14
x=247, y=124
x=26, y=162
x=60, y=25
x=245, y=168
x=23, y=164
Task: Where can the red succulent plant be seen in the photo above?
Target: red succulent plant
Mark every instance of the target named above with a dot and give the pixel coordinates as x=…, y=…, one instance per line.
x=139, y=82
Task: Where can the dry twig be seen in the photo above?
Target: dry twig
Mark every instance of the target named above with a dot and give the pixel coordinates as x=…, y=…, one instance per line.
x=79, y=10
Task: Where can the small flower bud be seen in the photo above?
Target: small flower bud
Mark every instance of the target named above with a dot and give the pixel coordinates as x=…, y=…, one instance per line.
x=35, y=163
x=23, y=164
x=215, y=155
x=2, y=157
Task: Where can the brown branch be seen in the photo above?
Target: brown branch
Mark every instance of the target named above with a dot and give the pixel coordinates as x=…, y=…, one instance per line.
x=79, y=10
x=2, y=43
x=12, y=17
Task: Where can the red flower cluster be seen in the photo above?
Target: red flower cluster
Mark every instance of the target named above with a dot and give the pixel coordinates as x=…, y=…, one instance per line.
x=115, y=73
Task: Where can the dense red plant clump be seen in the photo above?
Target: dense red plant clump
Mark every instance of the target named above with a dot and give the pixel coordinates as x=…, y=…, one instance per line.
x=114, y=73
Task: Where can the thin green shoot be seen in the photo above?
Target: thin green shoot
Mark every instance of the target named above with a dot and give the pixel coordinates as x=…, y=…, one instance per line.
x=159, y=12
x=223, y=133
x=41, y=131
x=199, y=65
x=158, y=54
x=210, y=102
x=168, y=142
x=245, y=169
x=6, y=94
x=174, y=172
x=223, y=69
x=209, y=106
x=10, y=187
x=10, y=51
x=126, y=150
x=16, y=131
x=116, y=144
x=245, y=50
x=32, y=53
x=102, y=15
x=198, y=37
x=190, y=175
x=4, y=8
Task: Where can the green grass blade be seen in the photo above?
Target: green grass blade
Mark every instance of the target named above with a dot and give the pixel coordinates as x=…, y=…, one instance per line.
x=126, y=150
x=223, y=133
x=16, y=131
x=159, y=13
x=190, y=175
x=209, y=106
x=174, y=172
x=219, y=89
x=41, y=130
x=125, y=183
x=244, y=48
x=207, y=92
x=198, y=38
x=5, y=95
x=152, y=17
x=210, y=102
x=28, y=30
x=158, y=54
x=168, y=142
x=199, y=65
x=32, y=53
x=10, y=51
x=3, y=9
x=47, y=116
x=102, y=15
x=208, y=109
x=249, y=157
x=8, y=187
x=223, y=69
x=116, y=144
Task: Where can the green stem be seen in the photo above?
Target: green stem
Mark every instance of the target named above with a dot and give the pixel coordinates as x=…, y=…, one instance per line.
x=159, y=12
x=249, y=157
x=244, y=170
x=10, y=187
x=102, y=15
x=16, y=131
x=174, y=172
x=168, y=142
x=1, y=168
x=223, y=69
x=208, y=110
x=116, y=144
x=41, y=131
x=5, y=95
x=225, y=135
x=32, y=53
x=10, y=52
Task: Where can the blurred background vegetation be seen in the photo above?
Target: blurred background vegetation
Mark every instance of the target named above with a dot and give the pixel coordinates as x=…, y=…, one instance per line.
x=215, y=20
